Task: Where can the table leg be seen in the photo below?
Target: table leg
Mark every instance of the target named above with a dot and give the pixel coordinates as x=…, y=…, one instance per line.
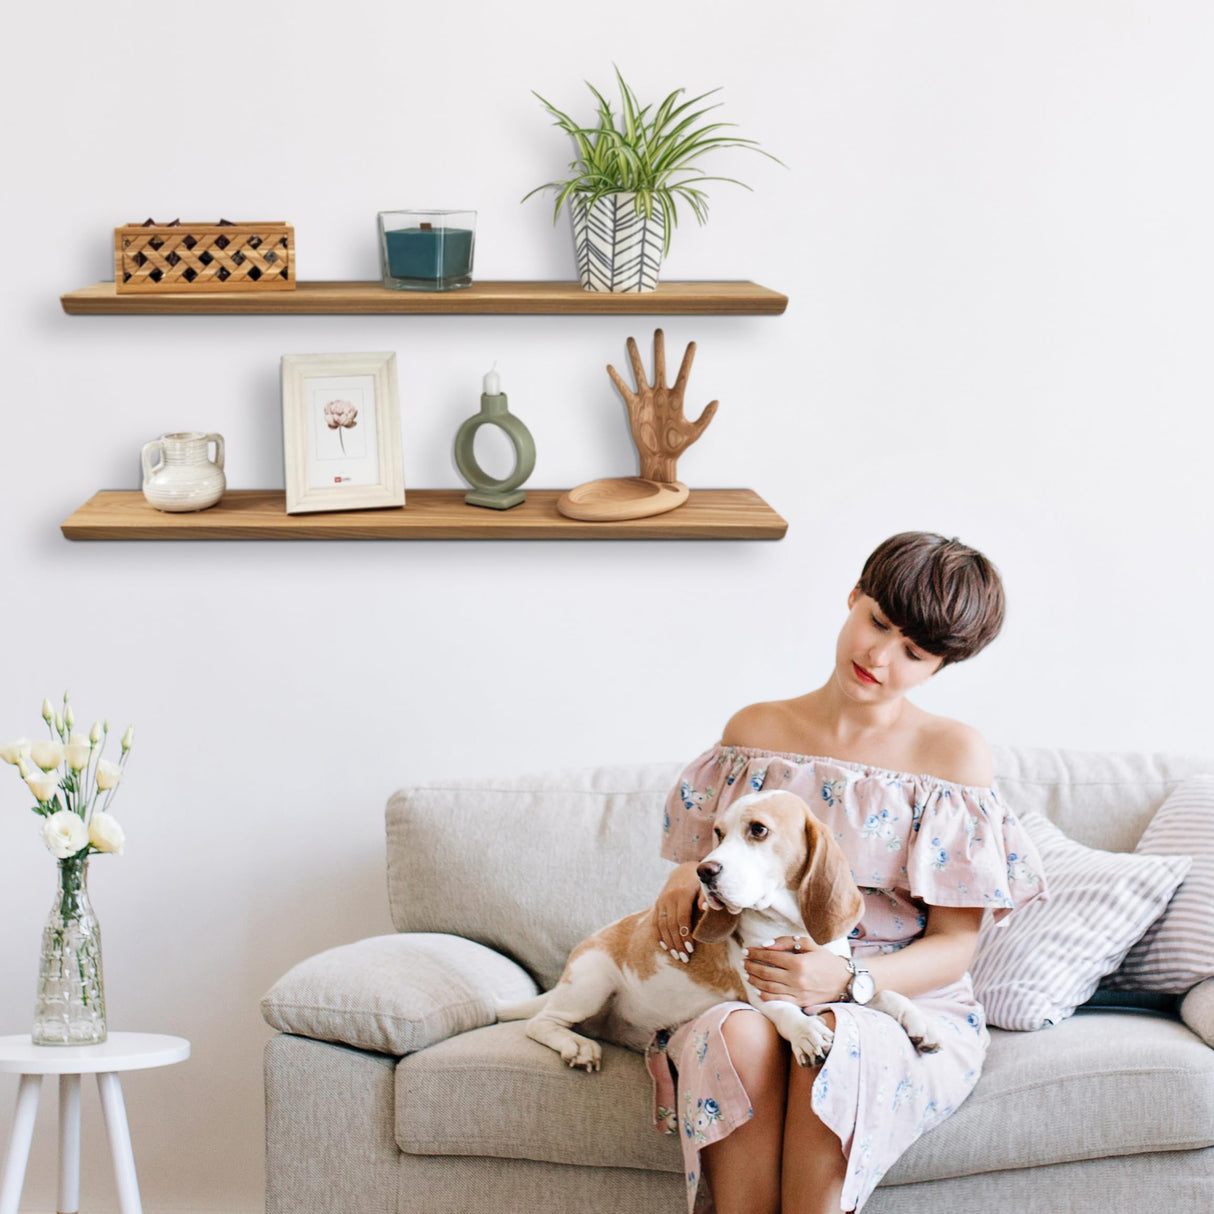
x=120, y=1142
x=69, y=1144
x=19, y=1143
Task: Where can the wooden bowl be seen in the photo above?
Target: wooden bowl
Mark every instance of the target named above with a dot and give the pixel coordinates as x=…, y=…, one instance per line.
x=621, y=497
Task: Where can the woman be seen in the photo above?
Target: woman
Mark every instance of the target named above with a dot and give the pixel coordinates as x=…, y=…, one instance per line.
x=930, y=853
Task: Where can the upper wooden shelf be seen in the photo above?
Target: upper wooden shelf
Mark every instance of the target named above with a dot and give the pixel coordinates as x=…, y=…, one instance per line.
x=481, y=298
x=428, y=514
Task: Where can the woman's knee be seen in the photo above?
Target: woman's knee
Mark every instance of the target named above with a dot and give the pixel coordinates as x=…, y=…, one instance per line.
x=753, y=1044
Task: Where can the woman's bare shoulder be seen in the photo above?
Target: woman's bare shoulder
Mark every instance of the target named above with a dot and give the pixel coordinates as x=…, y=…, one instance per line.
x=761, y=726
x=955, y=752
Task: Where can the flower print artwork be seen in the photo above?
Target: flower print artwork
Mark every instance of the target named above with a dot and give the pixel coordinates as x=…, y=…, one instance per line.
x=341, y=415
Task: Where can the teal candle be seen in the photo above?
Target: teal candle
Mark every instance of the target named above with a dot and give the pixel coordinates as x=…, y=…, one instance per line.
x=433, y=254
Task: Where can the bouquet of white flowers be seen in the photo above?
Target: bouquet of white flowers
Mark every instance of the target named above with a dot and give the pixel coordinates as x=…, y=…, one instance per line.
x=73, y=787
x=72, y=784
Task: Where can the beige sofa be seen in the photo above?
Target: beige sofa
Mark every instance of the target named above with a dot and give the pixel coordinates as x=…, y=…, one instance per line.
x=390, y=1088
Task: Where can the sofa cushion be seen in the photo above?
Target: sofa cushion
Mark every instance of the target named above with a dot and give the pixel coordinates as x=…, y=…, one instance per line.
x=496, y=1092
x=1036, y=967
x=1100, y=1084
x=1103, y=1083
x=1177, y=951
x=394, y=994
x=1101, y=798
x=529, y=866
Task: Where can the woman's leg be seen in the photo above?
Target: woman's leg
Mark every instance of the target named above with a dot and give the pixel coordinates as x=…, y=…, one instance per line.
x=813, y=1165
x=743, y=1168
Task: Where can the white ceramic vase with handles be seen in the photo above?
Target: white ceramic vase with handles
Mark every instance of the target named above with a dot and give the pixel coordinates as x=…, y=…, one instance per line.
x=185, y=478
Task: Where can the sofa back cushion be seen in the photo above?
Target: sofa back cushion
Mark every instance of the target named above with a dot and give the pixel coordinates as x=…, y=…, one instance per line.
x=530, y=865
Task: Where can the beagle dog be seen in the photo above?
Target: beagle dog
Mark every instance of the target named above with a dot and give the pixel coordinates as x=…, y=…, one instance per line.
x=775, y=871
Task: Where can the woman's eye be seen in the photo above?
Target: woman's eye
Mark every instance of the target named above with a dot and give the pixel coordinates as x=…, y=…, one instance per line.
x=757, y=830
x=882, y=627
x=914, y=657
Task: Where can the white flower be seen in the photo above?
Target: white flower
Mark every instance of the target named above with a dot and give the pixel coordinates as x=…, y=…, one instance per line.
x=77, y=752
x=69, y=717
x=47, y=754
x=108, y=774
x=341, y=413
x=95, y=733
x=43, y=786
x=10, y=752
x=128, y=738
x=48, y=711
x=105, y=834
x=64, y=834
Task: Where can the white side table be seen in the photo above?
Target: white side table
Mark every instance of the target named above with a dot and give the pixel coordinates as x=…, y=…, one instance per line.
x=121, y=1052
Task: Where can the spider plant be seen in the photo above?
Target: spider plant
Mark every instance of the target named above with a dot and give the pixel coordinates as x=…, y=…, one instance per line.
x=652, y=153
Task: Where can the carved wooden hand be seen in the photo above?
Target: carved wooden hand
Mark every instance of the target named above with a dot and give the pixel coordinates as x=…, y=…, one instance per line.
x=655, y=412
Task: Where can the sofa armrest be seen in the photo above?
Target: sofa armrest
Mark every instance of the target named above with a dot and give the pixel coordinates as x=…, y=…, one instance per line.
x=395, y=994
x=1197, y=1010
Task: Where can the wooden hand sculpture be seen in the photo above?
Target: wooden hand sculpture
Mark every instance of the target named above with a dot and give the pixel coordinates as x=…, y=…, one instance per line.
x=655, y=412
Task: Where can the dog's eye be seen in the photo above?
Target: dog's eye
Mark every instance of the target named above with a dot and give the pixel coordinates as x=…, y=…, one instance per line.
x=716, y=830
x=757, y=830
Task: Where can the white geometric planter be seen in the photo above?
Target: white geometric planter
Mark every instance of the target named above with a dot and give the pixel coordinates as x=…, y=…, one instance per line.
x=617, y=249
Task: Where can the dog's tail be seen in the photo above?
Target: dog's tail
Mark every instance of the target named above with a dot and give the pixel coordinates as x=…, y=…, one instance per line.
x=524, y=1010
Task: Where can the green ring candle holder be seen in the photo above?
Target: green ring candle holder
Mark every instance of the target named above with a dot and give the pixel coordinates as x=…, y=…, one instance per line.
x=487, y=490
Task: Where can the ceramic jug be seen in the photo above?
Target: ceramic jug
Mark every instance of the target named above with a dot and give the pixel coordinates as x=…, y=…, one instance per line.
x=185, y=478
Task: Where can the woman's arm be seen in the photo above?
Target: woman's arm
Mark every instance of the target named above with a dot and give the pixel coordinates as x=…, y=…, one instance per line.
x=940, y=956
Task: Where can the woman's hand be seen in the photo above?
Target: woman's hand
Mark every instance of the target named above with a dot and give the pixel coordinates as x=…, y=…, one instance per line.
x=673, y=910
x=806, y=977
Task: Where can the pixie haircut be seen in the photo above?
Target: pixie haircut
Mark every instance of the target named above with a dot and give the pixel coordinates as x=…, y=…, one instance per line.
x=945, y=596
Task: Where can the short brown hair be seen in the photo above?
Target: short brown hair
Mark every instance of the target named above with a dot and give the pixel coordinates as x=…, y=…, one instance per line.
x=945, y=596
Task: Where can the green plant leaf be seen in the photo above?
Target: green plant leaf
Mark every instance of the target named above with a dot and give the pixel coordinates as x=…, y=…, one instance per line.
x=645, y=151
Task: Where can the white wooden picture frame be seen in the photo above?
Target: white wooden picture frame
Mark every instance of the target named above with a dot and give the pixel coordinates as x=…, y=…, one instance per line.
x=341, y=432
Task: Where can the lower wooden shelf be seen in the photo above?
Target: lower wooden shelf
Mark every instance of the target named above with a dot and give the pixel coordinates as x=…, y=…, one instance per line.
x=428, y=514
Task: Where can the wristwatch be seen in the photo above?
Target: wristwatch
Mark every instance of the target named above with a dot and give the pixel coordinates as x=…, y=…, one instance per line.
x=860, y=987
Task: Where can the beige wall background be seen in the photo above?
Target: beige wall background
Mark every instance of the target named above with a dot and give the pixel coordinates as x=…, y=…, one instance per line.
x=995, y=235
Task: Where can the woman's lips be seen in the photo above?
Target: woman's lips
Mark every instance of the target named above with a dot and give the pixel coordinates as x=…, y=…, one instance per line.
x=863, y=674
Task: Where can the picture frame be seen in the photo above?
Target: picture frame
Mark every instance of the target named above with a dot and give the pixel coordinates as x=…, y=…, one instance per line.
x=341, y=432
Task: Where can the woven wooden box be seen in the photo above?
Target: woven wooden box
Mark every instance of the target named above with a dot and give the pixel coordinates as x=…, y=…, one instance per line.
x=204, y=257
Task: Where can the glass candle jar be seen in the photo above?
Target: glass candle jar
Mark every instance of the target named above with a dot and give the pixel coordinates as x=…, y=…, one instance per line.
x=426, y=250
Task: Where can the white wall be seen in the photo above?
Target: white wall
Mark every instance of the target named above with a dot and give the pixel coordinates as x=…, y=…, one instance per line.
x=995, y=235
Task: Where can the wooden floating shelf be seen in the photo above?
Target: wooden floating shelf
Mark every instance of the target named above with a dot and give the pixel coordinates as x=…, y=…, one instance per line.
x=481, y=298
x=428, y=514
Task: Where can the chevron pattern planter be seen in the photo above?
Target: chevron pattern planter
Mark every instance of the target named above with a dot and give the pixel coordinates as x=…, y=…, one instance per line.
x=616, y=247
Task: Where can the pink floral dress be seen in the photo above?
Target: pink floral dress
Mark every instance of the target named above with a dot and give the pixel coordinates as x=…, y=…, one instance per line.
x=912, y=842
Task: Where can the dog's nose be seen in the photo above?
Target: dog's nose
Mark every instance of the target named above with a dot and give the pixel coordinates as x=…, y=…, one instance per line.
x=709, y=871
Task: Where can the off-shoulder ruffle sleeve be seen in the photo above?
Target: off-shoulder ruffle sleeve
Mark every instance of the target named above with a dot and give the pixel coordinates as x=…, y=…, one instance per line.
x=966, y=848
x=692, y=804
x=945, y=844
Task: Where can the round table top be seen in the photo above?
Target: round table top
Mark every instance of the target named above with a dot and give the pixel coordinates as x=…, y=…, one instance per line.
x=119, y=1052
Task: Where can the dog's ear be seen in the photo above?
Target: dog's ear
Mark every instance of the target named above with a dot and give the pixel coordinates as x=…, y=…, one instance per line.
x=831, y=905
x=711, y=925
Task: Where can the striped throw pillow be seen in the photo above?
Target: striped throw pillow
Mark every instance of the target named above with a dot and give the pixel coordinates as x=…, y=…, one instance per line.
x=1037, y=966
x=1177, y=951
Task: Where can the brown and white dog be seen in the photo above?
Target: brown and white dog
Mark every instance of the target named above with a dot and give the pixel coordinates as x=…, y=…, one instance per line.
x=774, y=872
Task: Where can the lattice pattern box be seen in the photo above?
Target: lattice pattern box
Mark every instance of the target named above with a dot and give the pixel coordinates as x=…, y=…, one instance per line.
x=204, y=257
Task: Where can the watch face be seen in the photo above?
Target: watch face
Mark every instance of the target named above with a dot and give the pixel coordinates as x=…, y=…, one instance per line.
x=862, y=987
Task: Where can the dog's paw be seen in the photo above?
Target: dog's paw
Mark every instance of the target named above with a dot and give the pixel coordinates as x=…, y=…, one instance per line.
x=811, y=1041
x=582, y=1052
x=917, y=1027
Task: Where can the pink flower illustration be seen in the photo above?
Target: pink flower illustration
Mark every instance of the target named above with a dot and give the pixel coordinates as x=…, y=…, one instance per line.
x=341, y=415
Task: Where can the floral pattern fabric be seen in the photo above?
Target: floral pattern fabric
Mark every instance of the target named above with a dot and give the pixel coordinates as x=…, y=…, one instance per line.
x=912, y=841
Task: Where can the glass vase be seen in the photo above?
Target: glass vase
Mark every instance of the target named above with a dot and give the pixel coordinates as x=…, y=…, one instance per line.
x=70, y=1009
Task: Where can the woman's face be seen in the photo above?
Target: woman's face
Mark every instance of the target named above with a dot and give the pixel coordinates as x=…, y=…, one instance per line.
x=874, y=662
